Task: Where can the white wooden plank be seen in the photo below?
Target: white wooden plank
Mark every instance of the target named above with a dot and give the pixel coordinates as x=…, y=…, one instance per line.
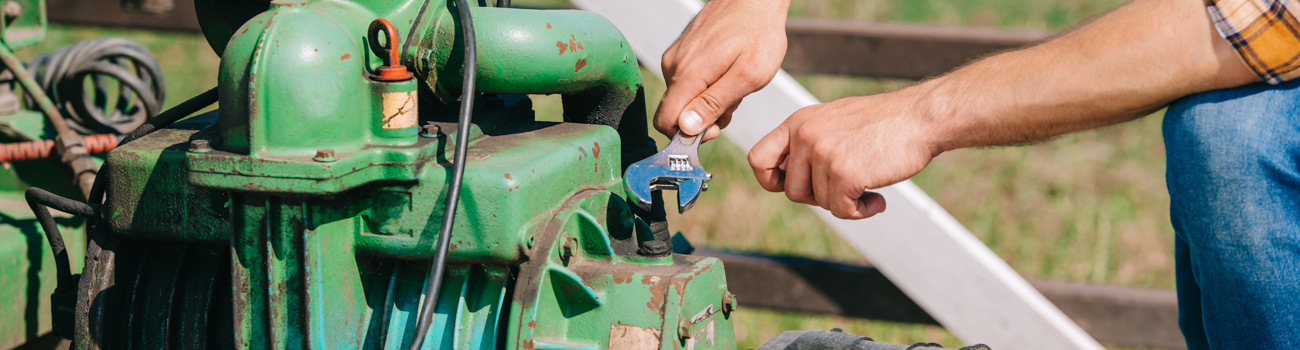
x=916, y=243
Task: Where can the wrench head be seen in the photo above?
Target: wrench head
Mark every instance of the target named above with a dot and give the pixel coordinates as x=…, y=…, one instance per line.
x=643, y=179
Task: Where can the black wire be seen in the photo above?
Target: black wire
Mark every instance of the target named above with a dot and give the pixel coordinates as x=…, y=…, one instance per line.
x=194, y=104
x=410, y=34
x=40, y=201
x=457, y=173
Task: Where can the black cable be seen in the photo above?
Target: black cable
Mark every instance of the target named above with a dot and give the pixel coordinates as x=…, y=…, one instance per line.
x=410, y=34
x=180, y=111
x=40, y=201
x=140, y=92
x=457, y=173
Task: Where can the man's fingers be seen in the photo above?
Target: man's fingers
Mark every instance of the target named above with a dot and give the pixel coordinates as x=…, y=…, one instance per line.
x=767, y=156
x=675, y=99
x=709, y=105
x=798, y=178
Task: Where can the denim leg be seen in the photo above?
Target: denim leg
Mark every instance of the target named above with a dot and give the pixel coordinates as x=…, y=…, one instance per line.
x=1234, y=186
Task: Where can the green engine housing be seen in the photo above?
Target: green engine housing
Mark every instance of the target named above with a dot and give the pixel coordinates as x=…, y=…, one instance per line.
x=298, y=215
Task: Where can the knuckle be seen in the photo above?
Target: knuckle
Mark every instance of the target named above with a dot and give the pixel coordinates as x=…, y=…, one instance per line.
x=712, y=104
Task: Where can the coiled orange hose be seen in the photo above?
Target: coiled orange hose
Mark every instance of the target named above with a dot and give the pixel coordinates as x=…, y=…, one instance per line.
x=42, y=149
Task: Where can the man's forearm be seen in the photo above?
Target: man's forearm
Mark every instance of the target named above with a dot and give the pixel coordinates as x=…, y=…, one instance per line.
x=1126, y=64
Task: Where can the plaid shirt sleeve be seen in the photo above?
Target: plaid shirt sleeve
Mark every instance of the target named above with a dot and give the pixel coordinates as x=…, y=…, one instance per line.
x=1265, y=33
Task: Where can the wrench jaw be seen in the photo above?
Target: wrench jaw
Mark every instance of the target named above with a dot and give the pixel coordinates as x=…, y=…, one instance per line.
x=641, y=184
x=687, y=192
x=676, y=167
x=642, y=180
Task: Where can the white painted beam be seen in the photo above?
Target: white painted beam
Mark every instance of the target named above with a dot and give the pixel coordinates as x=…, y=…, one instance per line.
x=916, y=243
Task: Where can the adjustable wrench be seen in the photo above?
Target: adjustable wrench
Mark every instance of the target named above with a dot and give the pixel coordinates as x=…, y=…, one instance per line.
x=676, y=167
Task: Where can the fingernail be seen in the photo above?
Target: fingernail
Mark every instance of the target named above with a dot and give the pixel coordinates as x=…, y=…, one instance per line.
x=691, y=123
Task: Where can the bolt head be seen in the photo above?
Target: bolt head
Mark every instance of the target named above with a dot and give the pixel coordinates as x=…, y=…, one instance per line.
x=430, y=130
x=200, y=146
x=728, y=302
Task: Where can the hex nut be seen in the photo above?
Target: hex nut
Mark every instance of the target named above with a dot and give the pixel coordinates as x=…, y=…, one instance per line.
x=430, y=130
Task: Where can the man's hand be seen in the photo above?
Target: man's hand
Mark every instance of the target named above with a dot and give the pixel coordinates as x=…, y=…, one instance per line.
x=827, y=155
x=731, y=49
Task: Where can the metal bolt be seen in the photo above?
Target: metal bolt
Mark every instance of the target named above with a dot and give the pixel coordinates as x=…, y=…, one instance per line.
x=728, y=302
x=430, y=130
x=200, y=146
x=324, y=155
x=683, y=329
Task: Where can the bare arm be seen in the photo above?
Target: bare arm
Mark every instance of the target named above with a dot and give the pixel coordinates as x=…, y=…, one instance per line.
x=1126, y=64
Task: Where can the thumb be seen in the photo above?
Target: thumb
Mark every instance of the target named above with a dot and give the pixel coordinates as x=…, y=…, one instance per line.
x=716, y=100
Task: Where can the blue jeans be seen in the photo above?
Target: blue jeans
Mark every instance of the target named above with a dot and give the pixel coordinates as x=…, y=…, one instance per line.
x=1234, y=185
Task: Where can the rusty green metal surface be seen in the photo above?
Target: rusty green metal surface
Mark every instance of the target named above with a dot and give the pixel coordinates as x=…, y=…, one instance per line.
x=264, y=240
x=28, y=276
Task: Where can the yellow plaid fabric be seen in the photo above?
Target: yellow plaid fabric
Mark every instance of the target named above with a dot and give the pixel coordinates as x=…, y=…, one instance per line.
x=1265, y=33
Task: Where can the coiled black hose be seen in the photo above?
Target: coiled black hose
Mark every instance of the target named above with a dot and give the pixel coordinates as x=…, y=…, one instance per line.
x=140, y=91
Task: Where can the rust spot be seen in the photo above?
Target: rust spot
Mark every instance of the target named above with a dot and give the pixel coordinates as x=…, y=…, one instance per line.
x=345, y=56
x=563, y=47
x=452, y=247
x=532, y=324
x=595, y=149
x=622, y=277
x=548, y=26
x=658, y=290
x=597, y=169
x=574, y=44
x=508, y=177
x=582, y=62
x=528, y=344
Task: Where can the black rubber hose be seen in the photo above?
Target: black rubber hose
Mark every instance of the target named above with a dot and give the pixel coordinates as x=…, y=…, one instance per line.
x=439, y=265
x=410, y=34
x=40, y=201
x=140, y=93
x=164, y=119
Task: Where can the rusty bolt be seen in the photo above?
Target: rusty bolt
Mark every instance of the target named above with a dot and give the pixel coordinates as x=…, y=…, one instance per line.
x=200, y=146
x=683, y=329
x=566, y=250
x=728, y=302
x=324, y=155
x=430, y=130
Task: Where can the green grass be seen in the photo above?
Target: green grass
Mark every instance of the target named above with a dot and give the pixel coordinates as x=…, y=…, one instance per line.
x=1090, y=206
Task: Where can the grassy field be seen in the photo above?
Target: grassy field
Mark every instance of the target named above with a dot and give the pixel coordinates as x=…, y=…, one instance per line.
x=1090, y=206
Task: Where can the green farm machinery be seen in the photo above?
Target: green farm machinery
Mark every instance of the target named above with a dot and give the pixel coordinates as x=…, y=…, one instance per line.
x=374, y=176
